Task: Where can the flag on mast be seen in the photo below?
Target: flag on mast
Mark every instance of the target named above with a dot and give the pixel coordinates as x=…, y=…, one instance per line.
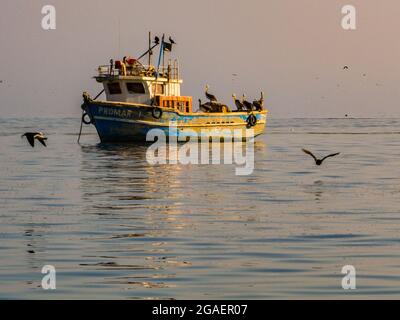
x=167, y=46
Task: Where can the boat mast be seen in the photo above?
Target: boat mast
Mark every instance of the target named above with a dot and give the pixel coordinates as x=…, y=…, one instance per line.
x=158, y=69
x=150, y=51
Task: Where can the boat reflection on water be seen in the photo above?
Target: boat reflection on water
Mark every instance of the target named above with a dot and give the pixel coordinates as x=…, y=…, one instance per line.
x=150, y=221
x=119, y=177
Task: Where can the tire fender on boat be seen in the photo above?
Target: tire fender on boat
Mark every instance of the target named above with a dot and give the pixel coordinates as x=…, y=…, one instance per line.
x=84, y=120
x=156, y=112
x=251, y=120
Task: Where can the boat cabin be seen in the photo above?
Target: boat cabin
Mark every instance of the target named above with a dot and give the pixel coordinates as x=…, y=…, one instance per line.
x=130, y=81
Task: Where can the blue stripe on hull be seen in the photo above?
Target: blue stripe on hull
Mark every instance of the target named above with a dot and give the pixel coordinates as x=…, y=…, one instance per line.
x=131, y=124
x=117, y=131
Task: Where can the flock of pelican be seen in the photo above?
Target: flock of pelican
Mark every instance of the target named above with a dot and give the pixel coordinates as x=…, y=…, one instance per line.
x=212, y=106
x=242, y=105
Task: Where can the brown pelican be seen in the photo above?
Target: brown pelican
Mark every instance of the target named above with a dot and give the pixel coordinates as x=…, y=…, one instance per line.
x=31, y=136
x=247, y=104
x=238, y=103
x=318, y=162
x=258, y=104
x=210, y=96
x=206, y=107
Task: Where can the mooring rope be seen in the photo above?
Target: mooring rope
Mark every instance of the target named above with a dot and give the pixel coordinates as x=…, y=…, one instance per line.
x=83, y=114
x=99, y=94
x=80, y=130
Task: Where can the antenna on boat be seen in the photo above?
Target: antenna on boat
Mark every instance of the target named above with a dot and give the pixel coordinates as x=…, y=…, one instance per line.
x=150, y=51
x=158, y=69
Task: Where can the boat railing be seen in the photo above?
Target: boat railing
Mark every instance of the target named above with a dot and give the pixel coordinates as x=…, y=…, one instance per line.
x=171, y=71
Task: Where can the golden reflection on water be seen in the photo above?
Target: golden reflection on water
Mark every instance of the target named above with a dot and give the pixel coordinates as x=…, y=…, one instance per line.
x=114, y=226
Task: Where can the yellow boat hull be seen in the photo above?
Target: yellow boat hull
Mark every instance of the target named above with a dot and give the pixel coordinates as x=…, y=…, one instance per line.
x=129, y=122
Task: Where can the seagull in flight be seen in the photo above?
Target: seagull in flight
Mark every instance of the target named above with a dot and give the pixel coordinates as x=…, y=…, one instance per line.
x=318, y=162
x=31, y=136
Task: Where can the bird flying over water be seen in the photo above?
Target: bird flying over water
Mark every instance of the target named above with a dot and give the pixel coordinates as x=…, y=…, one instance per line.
x=31, y=136
x=210, y=96
x=318, y=162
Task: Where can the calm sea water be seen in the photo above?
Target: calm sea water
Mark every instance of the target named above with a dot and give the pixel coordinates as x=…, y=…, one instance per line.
x=115, y=227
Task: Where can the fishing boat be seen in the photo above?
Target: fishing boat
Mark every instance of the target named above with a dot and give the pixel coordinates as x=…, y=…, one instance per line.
x=142, y=97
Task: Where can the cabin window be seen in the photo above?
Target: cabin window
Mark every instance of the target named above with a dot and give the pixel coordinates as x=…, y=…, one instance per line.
x=114, y=88
x=157, y=89
x=135, y=87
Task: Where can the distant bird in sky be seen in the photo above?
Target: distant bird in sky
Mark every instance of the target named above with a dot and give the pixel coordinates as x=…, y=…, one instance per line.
x=31, y=136
x=318, y=162
x=247, y=104
x=238, y=103
x=210, y=96
x=156, y=40
x=171, y=40
x=346, y=68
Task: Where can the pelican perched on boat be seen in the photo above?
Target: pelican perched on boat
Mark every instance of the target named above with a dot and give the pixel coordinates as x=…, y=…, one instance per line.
x=206, y=107
x=247, y=104
x=258, y=104
x=210, y=96
x=238, y=103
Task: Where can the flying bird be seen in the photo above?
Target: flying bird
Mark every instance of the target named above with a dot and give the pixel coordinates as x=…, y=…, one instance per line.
x=318, y=162
x=238, y=103
x=210, y=96
x=31, y=136
x=346, y=68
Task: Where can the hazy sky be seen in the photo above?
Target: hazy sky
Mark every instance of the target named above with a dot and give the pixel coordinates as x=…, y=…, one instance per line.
x=292, y=49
